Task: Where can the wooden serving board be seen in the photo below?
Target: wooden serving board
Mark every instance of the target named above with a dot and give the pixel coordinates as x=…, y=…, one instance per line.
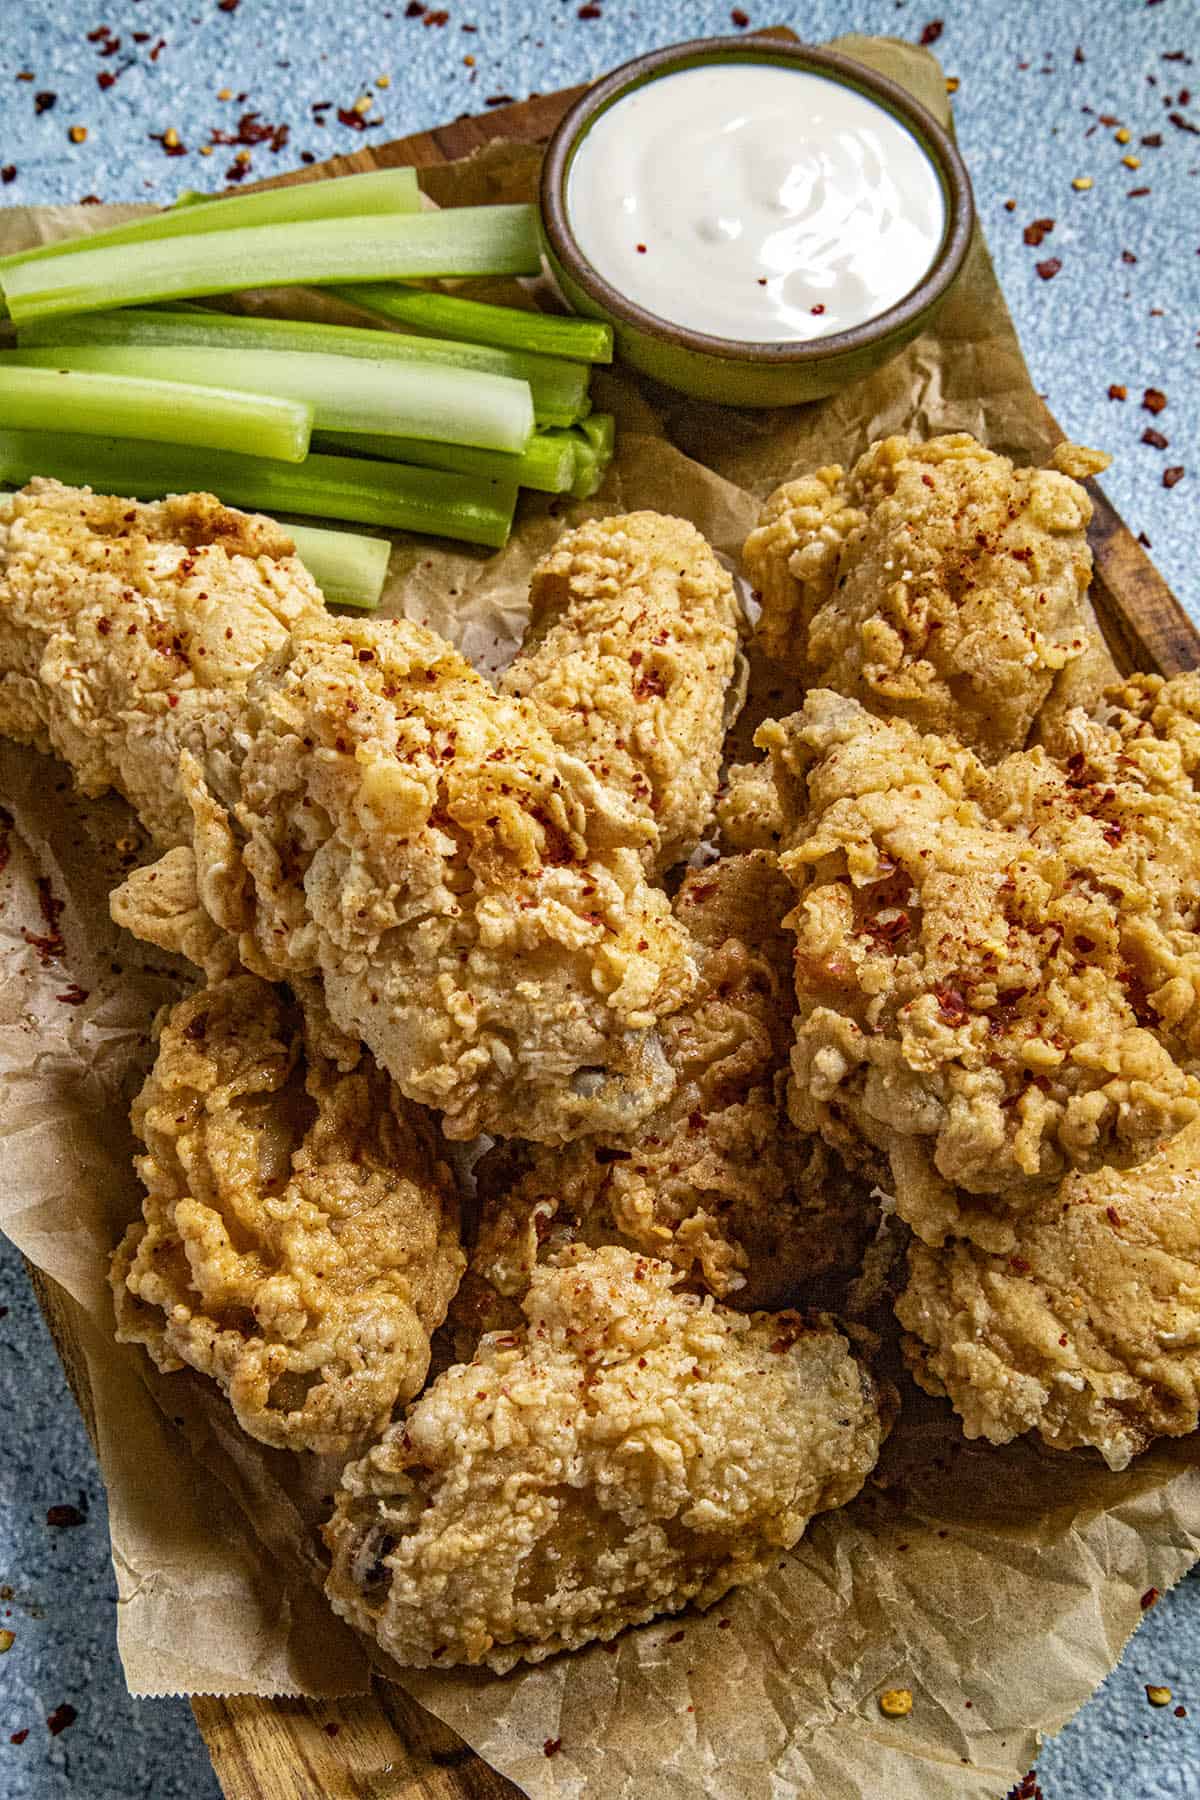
x=384, y=1746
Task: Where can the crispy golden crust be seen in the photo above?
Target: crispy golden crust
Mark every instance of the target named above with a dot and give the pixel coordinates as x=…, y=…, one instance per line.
x=716, y=1182
x=1089, y=1333
x=997, y=969
x=935, y=583
x=472, y=897
x=299, y=1238
x=627, y=1451
x=629, y=662
x=125, y=629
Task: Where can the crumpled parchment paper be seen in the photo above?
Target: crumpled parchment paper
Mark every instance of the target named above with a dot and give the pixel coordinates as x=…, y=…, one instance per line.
x=1000, y=1586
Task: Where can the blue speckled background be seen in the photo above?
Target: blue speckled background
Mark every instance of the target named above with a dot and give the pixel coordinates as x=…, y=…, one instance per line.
x=1044, y=88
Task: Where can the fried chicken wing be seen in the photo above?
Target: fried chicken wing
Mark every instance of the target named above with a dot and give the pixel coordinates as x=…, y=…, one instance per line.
x=716, y=1182
x=472, y=897
x=299, y=1239
x=628, y=1450
x=630, y=660
x=997, y=969
x=1090, y=1332
x=935, y=583
x=125, y=629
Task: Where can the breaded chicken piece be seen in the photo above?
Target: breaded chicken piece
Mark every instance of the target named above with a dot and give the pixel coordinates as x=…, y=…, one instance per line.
x=716, y=1182
x=627, y=1451
x=629, y=661
x=1090, y=1332
x=934, y=583
x=472, y=897
x=299, y=1236
x=997, y=969
x=126, y=628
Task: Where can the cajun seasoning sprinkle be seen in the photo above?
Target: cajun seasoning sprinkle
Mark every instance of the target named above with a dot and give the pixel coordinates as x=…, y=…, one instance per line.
x=60, y=1718
x=1150, y=1598
x=1049, y=269
x=1082, y=183
x=1116, y=391
x=1173, y=476
x=1158, y=1696
x=1154, y=400
x=78, y=134
x=896, y=1703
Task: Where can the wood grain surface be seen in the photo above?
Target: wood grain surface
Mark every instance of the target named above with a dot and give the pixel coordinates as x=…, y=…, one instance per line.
x=383, y=1746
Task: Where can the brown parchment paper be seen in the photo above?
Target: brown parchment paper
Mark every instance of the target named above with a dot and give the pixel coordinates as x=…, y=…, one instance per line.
x=999, y=1585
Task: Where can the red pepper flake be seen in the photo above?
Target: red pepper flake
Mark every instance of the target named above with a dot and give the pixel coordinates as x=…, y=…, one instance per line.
x=105, y=79
x=1113, y=1217
x=1155, y=439
x=158, y=49
x=43, y=102
x=1036, y=230
x=676, y=1637
x=1018, y=1265
x=818, y=309
x=74, y=996
x=18, y=1737
x=1173, y=476
x=60, y=1718
x=1127, y=256
x=436, y=18
x=64, y=1516
x=1027, y=1788
x=331, y=1730
x=641, y=249
x=1154, y=400
x=739, y=18
x=1049, y=269
x=1137, y=193
x=1181, y=1712
x=499, y=100
x=1079, y=56
x=931, y=32
x=951, y=1005
x=724, y=1624
x=414, y=9
x=51, y=945
x=8, y=173
x=1182, y=124
x=1153, y=141
x=172, y=143
x=348, y=116
x=1150, y=1598
x=1117, y=391
x=552, y=1746
x=229, y=6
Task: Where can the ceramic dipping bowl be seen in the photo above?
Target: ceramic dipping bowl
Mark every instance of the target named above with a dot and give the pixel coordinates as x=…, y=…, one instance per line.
x=743, y=372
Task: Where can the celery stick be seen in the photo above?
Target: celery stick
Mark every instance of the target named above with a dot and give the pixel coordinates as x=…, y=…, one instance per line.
x=546, y=463
x=463, y=406
x=349, y=570
x=332, y=487
x=353, y=196
x=481, y=322
x=464, y=240
x=600, y=431
x=211, y=416
x=592, y=440
x=559, y=387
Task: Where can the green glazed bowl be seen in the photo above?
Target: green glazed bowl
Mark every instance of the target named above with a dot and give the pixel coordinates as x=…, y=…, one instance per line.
x=742, y=372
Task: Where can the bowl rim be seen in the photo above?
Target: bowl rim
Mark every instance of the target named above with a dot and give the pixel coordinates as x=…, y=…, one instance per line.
x=695, y=52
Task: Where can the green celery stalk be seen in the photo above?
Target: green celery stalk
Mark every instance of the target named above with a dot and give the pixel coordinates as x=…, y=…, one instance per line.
x=463, y=406
x=481, y=322
x=592, y=441
x=332, y=487
x=546, y=463
x=559, y=387
x=352, y=196
x=464, y=240
x=209, y=416
x=350, y=570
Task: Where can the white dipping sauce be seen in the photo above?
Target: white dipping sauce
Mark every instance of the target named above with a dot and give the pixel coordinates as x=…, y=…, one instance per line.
x=748, y=200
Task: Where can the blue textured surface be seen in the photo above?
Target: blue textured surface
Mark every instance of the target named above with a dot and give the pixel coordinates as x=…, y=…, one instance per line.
x=1099, y=320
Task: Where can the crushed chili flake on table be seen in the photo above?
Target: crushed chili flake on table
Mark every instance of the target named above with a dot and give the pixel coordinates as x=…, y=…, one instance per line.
x=1137, y=193
x=896, y=1703
x=60, y=1718
x=1127, y=256
x=18, y=1737
x=65, y=1515
x=44, y=101
x=739, y=18
x=1173, y=475
x=1158, y=1696
x=1154, y=400
x=1036, y=230
x=1155, y=439
x=1150, y=1598
x=931, y=32
x=1027, y=1788
x=8, y=173
x=1049, y=269
x=552, y=1746
x=1116, y=391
